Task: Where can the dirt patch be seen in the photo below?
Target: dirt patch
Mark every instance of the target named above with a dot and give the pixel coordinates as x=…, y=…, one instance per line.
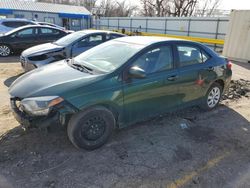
x=237, y=89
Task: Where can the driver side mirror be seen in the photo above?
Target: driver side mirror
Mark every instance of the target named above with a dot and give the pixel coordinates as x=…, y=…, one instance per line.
x=137, y=72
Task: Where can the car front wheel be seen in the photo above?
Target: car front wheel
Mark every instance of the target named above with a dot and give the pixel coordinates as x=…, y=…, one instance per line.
x=212, y=97
x=5, y=50
x=91, y=128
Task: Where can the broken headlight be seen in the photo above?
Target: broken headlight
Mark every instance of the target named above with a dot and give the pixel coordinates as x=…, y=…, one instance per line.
x=39, y=106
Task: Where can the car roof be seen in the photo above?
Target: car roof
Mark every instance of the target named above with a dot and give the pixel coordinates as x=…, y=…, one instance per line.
x=89, y=31
x=31, y=26
x=147, y=40
x=45, y=23
x=15, y=19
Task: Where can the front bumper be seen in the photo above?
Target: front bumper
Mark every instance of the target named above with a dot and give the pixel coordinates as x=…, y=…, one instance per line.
x=28, y=121
x=29, y=65
x=60, y=114
x=26, y=65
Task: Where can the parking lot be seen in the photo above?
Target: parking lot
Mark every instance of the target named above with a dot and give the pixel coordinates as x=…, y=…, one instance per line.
x=187, y=148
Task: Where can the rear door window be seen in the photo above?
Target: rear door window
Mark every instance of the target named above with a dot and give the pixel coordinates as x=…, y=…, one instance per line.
x=190, y=55
x=49, y=31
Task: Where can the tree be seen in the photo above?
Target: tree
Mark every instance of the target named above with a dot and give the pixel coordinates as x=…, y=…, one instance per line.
x=155, y=7
x=115, y=8
x=207, y=7
x=178, y=8
x=182, y=8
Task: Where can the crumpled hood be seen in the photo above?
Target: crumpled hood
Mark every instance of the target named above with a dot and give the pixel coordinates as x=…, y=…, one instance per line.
x=53, y=79
x=41, y=49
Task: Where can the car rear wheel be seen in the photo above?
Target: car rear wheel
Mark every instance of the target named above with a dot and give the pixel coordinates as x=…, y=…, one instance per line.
x=212, y=97
x=91, y=128
x=5, y=50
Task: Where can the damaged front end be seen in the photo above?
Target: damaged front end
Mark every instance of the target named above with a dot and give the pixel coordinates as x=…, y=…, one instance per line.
x=41, y=113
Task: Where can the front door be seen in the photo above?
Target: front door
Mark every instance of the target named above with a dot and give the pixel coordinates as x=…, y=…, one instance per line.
x=155, y=93
x=48, y=35
x=24, y=39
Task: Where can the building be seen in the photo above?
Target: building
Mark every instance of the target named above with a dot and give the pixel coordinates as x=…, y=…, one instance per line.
x=69, y=16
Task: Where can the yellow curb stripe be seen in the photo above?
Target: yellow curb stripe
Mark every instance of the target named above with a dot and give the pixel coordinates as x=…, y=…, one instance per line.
x=196, y=39
x=187, y=178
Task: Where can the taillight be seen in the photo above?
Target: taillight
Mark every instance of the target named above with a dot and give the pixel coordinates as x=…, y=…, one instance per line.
x=229, y=64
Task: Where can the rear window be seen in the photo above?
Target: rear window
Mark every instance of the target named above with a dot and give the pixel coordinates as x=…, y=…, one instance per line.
x=15, y=24
x=112, y=36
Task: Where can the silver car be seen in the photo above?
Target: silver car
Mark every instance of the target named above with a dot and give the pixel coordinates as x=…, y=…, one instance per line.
x=8, y=24
x=64, y=48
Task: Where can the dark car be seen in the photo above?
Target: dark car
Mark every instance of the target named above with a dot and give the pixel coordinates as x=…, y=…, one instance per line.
x=66, y=47
x=118, y=83
x=25, y=37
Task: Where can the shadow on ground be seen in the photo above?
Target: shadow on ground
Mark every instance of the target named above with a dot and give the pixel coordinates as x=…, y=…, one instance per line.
x=242, y=64
x=10, y=59
x=10, y=80
x=151, y=153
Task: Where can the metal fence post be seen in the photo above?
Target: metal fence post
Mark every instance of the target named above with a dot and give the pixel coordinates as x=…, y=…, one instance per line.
x=146, y=25
x=97, y=23
x=118, y=23
x=217, y=31
x=130, y=25
x=189, y=21
x=108, y=23
x=166, y=26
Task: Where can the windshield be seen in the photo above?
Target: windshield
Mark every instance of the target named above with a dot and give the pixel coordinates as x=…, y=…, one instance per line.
x=68, y=39
x=108, y=56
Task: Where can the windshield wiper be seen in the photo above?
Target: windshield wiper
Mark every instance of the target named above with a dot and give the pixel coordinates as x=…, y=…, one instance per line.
x=80, y=67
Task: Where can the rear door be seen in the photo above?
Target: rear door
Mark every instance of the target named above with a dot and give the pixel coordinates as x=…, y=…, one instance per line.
x=86, y=43
x=49, y=34
x=155, y=93
x=196, y=70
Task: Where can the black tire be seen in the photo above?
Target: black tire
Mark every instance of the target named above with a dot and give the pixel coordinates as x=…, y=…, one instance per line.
x=90, y=129
x=205, y=105
x=7, y=52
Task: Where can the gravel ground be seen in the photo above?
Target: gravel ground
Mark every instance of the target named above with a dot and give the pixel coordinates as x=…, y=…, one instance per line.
x=188, y=148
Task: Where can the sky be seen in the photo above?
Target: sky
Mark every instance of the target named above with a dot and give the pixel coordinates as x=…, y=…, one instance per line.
x=225, y=4
x=235, y=4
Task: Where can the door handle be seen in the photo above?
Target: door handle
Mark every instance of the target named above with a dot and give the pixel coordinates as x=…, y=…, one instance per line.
x=172, y=78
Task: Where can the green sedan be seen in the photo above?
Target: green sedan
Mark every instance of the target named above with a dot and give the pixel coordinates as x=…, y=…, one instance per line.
x=118, y=83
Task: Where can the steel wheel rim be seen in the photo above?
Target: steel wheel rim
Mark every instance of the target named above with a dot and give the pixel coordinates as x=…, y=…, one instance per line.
x=4, y=50
x=213, y=97
x=93, y=128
